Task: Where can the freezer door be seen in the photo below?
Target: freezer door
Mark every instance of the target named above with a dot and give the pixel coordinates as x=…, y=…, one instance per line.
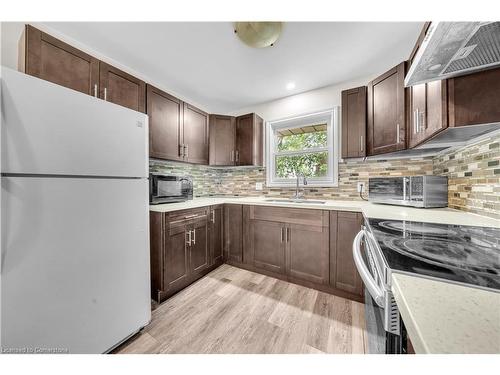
x=50, y=129
x=75, y=263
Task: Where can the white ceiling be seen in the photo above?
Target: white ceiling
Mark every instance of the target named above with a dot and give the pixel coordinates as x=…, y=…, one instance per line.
x=206, y=63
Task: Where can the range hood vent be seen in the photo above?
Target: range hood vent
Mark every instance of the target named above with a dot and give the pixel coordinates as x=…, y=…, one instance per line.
x=452, y=49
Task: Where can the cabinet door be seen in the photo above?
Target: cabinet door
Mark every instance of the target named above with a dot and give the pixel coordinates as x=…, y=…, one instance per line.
x=308, y=252
x=354, y=122
x=233, y=232
x=165, y=124
x=50, y=59
x=474, y=98
x=417, y=112
x=249, y=140
x=386, y=112
x=176, y=260
x=216, y=234
x=121, y=88
x=427, y=111
x=343, y=273
x=222, y=140
x=267, y=239
x=195, y=135
x=199, y=258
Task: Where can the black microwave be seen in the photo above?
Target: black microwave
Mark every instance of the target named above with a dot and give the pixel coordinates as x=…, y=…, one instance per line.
x=168, y=189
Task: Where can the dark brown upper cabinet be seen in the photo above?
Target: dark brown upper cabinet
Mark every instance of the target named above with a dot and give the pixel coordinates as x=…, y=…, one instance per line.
x=195, y=135
x=121, y=88
x=165, y=125
x=343, y=273
x=222, y=137
x=386, y=112
x=177, y=130
x=354, y=122
x=474, y=99
x=249, y=140
x=236, y=140
x=427, y=111
x=48, y=58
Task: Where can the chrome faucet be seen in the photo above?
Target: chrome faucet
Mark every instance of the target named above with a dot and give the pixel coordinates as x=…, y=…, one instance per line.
x=299, y=195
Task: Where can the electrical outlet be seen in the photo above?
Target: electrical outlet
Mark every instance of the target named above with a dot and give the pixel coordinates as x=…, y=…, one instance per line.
x=258, y=186
x=361, y=187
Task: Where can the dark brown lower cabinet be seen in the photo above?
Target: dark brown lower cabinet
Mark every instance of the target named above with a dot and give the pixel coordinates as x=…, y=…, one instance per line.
x=179, y=246
x=291, y=242
x=233, y=232
x=343, y=273
x=267, y=242
x=216, y=234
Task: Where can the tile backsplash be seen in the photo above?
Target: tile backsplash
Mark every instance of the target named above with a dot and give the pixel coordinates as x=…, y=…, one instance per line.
x=473, y=176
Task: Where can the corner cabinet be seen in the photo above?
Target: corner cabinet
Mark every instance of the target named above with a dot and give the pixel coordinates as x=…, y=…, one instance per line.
x=354, y=122
x=343, y=273
x=236, y=140
x=180, y=250
x=386, y=128
x=177, y=130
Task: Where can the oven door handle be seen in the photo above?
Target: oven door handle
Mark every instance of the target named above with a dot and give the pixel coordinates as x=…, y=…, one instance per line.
x=375, y=291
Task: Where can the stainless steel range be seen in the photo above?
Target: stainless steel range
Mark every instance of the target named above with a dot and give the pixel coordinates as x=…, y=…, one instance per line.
x=460, y=254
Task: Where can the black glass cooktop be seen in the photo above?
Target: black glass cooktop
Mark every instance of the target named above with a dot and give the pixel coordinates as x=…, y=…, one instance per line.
x=464, y=254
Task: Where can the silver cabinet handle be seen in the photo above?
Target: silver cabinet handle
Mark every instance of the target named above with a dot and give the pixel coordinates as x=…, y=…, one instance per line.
x=186, y=151
x=213, y=216
x=181, y=150
x=397, y=133
x=281, y=233
x=237, y=156
x=105, y=94
x=194, y=236
x=422, y=124
x=287, y=234
x=405, y=180
x=190, y=216
x=370, y=284
x=415, y=122
x=361, y=145
x=95, y=90
x=188, y=238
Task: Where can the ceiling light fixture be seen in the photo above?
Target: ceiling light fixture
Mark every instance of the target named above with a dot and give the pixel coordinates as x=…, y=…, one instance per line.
x=290, y=85
x=258, y=34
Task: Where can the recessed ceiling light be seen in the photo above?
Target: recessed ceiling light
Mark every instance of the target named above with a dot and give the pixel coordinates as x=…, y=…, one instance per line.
x=290, y=85
x=434, y=67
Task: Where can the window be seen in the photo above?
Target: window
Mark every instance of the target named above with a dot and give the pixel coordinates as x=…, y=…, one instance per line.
x=304, y=145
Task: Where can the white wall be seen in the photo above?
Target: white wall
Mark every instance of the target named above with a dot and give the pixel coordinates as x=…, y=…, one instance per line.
x=10, y=34
x=306, y=102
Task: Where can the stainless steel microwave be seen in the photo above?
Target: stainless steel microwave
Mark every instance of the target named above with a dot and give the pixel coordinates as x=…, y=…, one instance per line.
x=168, y=188
x=415, y=191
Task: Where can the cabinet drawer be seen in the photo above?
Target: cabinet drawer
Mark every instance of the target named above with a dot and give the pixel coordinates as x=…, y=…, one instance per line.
x=302, y=216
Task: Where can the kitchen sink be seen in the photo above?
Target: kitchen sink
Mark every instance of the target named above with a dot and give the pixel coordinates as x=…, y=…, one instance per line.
x=290, y=200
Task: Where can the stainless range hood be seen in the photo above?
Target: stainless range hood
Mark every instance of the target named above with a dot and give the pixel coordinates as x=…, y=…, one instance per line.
x=453, y=49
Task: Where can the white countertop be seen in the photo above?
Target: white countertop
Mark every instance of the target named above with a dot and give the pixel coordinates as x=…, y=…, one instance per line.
x=369, y=210
x=442, y=317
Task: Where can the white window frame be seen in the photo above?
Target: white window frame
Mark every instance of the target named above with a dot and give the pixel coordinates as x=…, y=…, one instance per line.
x=331, y=118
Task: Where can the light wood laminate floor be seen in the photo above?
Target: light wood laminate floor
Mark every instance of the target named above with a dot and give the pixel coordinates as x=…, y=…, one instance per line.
x=237, y=311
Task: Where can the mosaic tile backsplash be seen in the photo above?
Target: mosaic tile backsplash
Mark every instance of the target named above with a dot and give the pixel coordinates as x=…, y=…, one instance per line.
x=473, y=176
x=473, y=172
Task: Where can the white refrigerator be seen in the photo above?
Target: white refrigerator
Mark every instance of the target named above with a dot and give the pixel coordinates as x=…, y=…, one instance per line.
x=74, y=219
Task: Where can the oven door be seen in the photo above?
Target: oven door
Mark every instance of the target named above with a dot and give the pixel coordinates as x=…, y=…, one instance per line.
x=378, y=301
